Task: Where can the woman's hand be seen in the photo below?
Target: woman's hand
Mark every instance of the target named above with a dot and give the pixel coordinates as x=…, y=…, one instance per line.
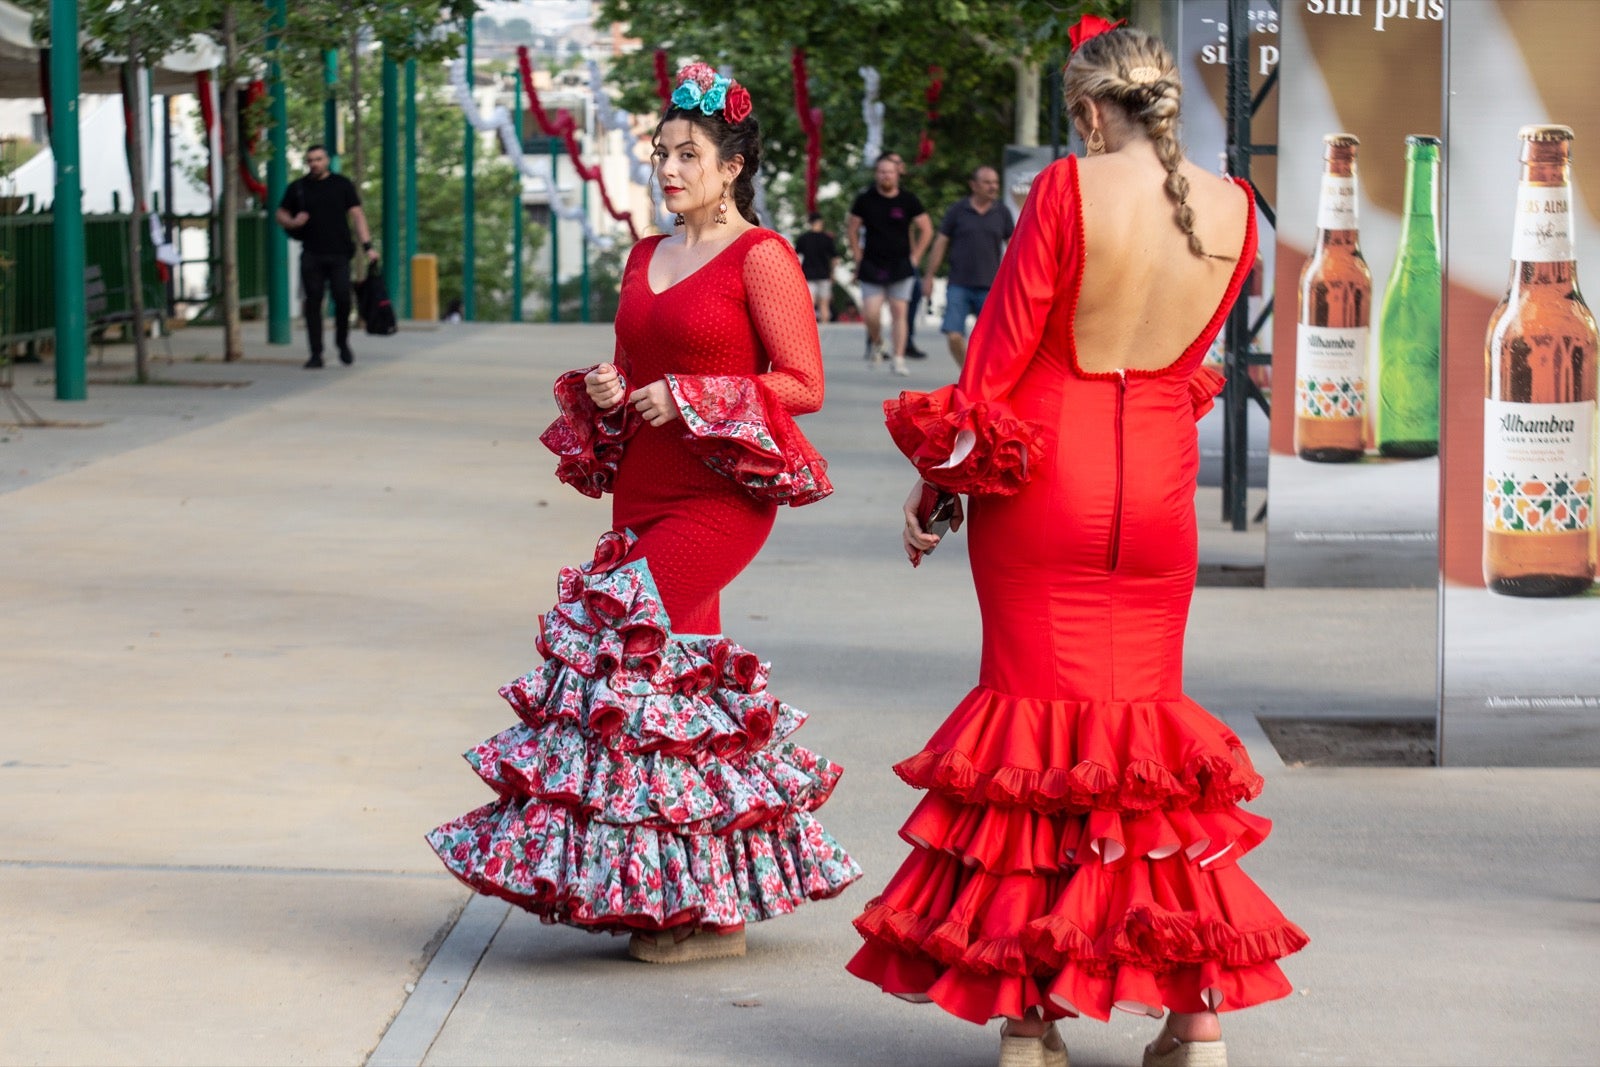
x=913, y=538
x=605, y=386
x=654, y=403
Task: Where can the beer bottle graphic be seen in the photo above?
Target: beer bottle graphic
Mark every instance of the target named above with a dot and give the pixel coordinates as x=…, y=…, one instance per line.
x=1333, y=321
x=1539, y=399
x=1408, y=328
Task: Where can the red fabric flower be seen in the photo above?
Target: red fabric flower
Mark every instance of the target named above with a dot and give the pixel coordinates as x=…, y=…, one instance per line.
x=737, y=106
x=1091, y=26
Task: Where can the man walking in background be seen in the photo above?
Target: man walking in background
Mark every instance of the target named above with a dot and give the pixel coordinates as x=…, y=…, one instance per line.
x=917, y=294
x=317, y=210
x=897, y=230
x=974, y=231
x=819, y=254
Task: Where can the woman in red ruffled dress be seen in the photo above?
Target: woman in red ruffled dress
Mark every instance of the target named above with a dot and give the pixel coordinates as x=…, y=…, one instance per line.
x=1077, y=847
x=651, y=786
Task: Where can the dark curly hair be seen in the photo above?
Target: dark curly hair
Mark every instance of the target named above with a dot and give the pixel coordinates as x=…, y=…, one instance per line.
x=730, y=139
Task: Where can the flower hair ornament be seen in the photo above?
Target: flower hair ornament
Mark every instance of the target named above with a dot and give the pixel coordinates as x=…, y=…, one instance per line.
x=1091, y=26
x=703, y=89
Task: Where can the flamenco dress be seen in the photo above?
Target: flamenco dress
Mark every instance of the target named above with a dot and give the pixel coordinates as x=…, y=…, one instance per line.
x=1077, y=849
x=651, y=780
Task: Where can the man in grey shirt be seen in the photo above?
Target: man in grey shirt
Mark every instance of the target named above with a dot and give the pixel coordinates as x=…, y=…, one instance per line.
x=974, y=231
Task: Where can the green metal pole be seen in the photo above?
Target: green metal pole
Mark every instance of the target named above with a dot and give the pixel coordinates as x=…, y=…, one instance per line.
x=411, y=187
x=516, y=210
x=555, y=233
x=583, y=279
x=469, y=236
x=278, y=331
x=67, y=226
x=330, y=108
x=390, y=242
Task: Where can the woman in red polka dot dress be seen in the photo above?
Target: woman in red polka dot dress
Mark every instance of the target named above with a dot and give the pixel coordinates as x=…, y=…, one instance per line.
x=651, y=786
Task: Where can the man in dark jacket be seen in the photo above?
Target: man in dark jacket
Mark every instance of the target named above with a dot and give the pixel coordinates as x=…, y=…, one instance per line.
x=317, y=210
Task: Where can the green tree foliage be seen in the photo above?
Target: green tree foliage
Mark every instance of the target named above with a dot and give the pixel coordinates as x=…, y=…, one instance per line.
x=978, y=43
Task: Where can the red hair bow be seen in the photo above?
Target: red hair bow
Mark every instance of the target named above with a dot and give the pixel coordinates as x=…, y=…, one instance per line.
x=1091, y=26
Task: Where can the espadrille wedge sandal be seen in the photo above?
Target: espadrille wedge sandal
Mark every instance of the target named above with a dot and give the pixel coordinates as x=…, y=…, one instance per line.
x=1185, y=1053
x=699, y=945
x=1046, y=1050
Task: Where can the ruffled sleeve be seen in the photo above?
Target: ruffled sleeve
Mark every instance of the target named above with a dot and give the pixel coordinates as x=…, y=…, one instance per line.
x=743, y=426
x=588, y=441
x=735, y=424
x=964, y=446
x=965, y=438
x=1204, y=386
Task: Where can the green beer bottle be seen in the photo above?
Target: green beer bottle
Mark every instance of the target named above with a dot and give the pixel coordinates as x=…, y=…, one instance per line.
x=1408, y=331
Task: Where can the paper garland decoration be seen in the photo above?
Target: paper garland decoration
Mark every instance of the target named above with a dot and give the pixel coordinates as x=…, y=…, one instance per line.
x=564, y=127
x=540, y=169
x=872, y=115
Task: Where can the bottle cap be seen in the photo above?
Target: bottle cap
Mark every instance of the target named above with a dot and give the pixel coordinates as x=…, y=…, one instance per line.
x=1423, y=139
x=1341, y=140
x=1546, y=133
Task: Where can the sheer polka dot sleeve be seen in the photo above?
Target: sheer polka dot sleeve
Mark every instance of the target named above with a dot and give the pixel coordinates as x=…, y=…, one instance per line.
x=781, y=308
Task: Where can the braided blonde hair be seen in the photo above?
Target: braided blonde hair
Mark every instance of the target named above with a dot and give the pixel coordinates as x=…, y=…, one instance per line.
x=1134, y=71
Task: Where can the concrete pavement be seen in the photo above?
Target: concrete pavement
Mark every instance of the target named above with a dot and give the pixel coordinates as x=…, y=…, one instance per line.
x=252, y=626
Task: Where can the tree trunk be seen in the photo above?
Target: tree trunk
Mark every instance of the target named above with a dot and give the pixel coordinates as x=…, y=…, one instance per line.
x=134, y=144
x=232, y=324
x=1027, y=102
x=353, y=171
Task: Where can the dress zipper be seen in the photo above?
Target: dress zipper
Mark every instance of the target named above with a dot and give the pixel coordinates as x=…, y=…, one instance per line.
x=1116, y=513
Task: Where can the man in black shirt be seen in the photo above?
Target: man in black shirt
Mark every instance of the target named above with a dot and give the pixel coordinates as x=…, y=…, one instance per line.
x=317, y=210
x=974, y=231
x=819, y=254
x=897, y=232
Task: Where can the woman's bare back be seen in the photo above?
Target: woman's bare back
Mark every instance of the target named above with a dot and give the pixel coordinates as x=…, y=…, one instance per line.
x=1145, y=295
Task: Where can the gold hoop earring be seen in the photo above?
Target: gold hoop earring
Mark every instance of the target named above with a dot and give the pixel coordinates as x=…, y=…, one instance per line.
x=1095, y=143
x=722, y=206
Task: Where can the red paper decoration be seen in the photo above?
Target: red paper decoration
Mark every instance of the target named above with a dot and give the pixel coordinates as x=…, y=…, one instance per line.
x=564, y=127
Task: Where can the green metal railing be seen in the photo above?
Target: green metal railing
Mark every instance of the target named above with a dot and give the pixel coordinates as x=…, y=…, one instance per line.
x=27, y=302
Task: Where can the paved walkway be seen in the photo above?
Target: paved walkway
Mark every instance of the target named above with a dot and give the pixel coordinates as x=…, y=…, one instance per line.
x=252, y=625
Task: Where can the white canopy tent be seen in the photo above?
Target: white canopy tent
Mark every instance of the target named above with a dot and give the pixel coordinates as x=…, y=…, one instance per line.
x=19, y=62
x=101, y=128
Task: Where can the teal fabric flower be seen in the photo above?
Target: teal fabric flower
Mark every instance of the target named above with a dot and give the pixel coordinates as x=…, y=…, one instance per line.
x=688, y=96
x=712, y=99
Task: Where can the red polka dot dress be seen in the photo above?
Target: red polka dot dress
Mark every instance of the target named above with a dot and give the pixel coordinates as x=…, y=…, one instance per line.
x=651, y=781
x=1077, y=849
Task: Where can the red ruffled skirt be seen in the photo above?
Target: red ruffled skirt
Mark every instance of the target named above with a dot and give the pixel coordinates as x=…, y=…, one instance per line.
x=1074, y=857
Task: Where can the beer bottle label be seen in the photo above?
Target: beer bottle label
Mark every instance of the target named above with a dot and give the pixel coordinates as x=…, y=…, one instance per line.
x=1330, y=371
x=1538, y=467
x=1336, y=210
x=1543, y=231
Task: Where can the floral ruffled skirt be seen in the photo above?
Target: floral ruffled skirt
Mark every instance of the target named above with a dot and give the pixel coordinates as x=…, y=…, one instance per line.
x=651, y=781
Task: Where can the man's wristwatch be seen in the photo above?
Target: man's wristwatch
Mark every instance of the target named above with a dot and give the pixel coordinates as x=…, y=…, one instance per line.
x=366, y=246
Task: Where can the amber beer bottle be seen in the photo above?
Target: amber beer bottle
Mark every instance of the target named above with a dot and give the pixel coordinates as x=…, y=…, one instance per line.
x=1335, y=312
x=1539, y=413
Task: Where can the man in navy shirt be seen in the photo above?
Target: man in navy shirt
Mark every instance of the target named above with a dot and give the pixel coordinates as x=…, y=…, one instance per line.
x=974, y=231
x=317, y=210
